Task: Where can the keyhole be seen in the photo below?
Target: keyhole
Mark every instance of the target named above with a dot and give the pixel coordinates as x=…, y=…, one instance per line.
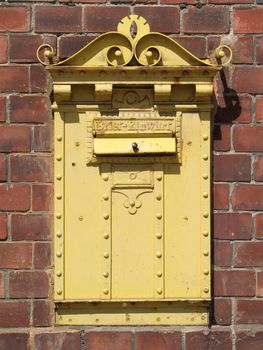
x=133, y=29
x=135, y=147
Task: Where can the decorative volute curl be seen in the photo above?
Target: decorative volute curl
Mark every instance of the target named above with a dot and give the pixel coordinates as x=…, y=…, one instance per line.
x=134, y=45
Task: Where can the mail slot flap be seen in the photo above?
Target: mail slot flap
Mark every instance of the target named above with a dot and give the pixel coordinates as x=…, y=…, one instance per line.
x=134, y=146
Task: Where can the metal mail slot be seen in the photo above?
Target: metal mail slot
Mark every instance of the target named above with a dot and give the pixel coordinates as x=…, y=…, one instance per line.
x=134, y=146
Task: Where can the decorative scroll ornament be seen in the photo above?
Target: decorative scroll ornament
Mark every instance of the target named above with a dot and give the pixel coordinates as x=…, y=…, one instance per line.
x=134, y=45
x=132, y=204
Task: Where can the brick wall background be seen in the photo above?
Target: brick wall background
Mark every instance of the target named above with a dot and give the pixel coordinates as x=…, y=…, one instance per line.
x=26, y=308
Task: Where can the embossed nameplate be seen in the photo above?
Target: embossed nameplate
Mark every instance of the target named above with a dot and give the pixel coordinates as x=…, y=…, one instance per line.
x=117, y=127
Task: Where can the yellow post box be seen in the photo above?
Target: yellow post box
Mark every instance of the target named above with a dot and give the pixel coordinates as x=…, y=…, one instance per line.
x=132, y=118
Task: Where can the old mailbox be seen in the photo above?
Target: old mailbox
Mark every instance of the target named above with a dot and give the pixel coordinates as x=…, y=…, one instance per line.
x=132, y=113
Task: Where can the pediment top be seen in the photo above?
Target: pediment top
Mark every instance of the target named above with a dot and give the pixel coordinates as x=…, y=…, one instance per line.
x=133, y=45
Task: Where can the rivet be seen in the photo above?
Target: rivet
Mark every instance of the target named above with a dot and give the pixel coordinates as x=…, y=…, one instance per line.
x=159, y=274
x=105, y=177
x=105, y=274
x=105, y=197
x=106, y=235
x=206, y=252
x=205, y=137
x=159, y=216
x=205, y=195
x=206, y=290
x=203, y=317
x=73, y=164
x=59, y=291
x=59, y=254
x=205, y=233
x=106, y=291
x=158, y=235
x=59, y=138
x=106, y=255
x=205, y=156
x=159, y=254
x=59, y=273
x=206, y=272
x=59, y=234
x=59, y=195
x=58, y=216
x=124, y=304
x=77, y=144
x=158, y=319
x=205, y=176
x=158, y=197
x=159, y=177
x=58, y=177
x=132, y=176
x=205, y=214
x=58, y=157
x=80, y=218
x=132, y=203
x=106, y=216
x=159, y=290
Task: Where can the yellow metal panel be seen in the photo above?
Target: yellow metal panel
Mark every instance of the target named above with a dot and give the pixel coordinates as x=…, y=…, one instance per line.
x=134, y=145
x=182, y=216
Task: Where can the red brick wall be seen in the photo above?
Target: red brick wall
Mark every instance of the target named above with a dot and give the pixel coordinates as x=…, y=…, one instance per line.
x=26, y=308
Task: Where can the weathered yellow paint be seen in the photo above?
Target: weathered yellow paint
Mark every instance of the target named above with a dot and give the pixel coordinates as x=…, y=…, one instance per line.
x=132, y=180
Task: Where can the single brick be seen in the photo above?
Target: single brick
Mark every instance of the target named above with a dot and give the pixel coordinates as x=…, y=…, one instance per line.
x=248, y=197
x=155, y=16
x=154, y=340
x=14, y=18
x=208, y=340
x=2, y=109
x=222, y=254
x=249, y=339
x=235, y=283
x=30, y=168
x=38, y=79
x=15, y=255
x=232, y=167
x=34, y=227
x=2, y=167
x=29, y=109
x=221, y=137
x=243, y=49
x=108, y=340
x=3, y=48
x=42, y=197
x=230, y=2
x=222, y=311
x=2, y=291
x=14, y=314
x=221, y=196
x=103, y=19
x=249, y=311
x=14, y=341
x=23, y=48
x=259, y=50
x=258, y=172
x=14, y=197
x=67, y=340
x=14, y=79
x=59, y=19
x=195, y=44
x=232, y=226
x=248, y=254
x=14, y=138
x=42, y=313
x=259, y=226
x=28, y=284
x=42, y=255
x=248, y=79
x=68, y=45
x=248, y=138
x=259, y=109
x=234, y=109
x=259, y=284
x=207, y=19
x=3, y=227
x=248, y=20
x=42, y=138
